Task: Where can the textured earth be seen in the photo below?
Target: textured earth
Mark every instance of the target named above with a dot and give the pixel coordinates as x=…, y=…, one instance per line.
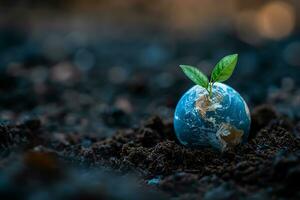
x=221, y=122
x=37, y=164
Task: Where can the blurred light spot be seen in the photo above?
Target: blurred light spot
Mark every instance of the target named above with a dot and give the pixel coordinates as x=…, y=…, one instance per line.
x=287, y=84
x=276, y=20
x=63, y=72
x=291, y=53
x=84, y=59
x=192, y=16
x=75, y=40
x=117, y=74
x=54, y=48
x=153, y=56
x=164, y=80
x=246, y=27
x=124, y=104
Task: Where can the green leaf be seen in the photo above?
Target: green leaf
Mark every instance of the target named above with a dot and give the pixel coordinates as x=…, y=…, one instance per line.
x=195, y=75
x=223, y=70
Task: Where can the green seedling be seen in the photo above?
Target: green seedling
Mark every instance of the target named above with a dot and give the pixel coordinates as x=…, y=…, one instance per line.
x=222, y=71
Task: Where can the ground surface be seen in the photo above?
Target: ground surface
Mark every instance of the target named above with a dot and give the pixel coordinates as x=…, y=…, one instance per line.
x=92, y=133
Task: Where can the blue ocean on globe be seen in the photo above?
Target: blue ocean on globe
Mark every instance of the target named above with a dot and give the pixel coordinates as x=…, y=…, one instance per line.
x=221, y=121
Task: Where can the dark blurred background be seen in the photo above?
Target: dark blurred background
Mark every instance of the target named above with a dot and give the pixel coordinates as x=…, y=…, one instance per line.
x=113, y=62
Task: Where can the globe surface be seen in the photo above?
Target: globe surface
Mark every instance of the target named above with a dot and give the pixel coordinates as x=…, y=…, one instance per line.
x=221, y=121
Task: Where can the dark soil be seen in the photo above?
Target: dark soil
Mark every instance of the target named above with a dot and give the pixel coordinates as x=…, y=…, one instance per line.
x=267, y=166
x=270, y=159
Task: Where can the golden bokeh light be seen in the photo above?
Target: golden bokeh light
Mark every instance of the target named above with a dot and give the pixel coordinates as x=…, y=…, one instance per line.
x=276, y=20
x=246, y=27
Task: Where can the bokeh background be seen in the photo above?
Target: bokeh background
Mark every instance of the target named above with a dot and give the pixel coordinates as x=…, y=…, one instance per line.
x=119, y=59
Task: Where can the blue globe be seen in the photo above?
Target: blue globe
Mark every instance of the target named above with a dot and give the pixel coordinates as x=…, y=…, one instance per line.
x=221, y=121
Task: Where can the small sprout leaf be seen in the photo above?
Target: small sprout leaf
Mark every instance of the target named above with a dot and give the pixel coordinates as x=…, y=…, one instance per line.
x=195, y=75
x=224, y=68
